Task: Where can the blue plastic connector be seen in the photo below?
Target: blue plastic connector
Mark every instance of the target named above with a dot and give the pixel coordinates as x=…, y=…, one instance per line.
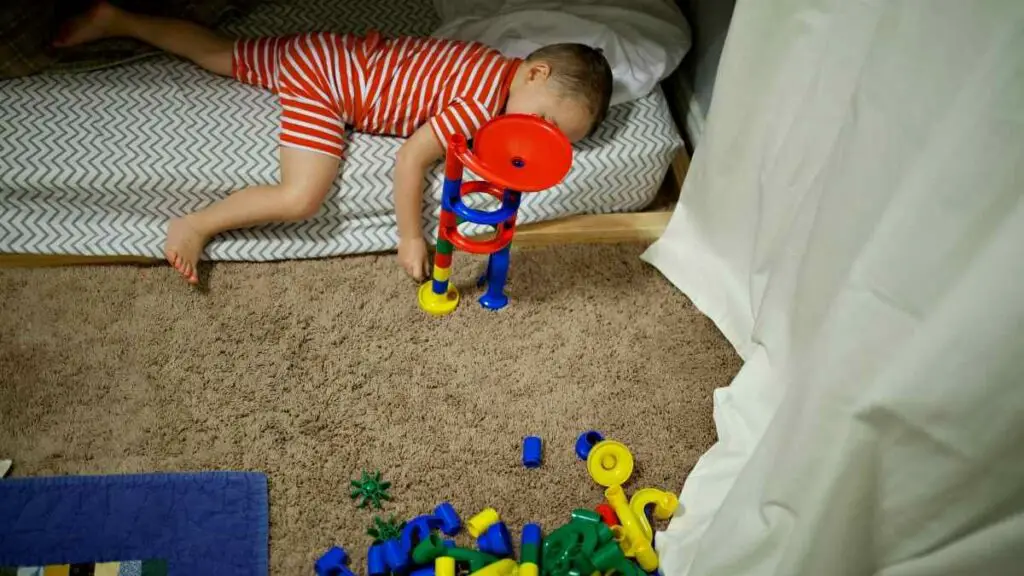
x=332, y=563
x=532, y=449
x=397, y=556
x=424, y=571
x=586, y=441
x=532, y=534
x=376, y=560
x=497, y=273
x=450, y=523
x=496, y=541
x=416, y=530
x=450, y=544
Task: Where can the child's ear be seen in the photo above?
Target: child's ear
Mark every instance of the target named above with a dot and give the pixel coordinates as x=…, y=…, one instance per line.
x=539, y=71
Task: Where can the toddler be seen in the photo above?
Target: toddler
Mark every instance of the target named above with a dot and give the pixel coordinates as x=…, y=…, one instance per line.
x=424, y=89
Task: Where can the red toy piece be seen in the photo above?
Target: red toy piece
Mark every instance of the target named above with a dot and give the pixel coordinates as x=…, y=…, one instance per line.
x=607, y=514
x=518, y=152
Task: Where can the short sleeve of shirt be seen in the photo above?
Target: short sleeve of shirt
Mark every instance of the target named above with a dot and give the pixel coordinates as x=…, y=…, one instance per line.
x=461, y=116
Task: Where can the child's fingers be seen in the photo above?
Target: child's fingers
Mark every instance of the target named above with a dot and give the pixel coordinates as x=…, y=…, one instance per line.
x=410, y=269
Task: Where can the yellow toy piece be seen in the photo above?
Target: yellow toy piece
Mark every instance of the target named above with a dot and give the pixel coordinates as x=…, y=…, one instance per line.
x=610, y=463
x=435, y=304
x=444, y=566
x=665, y=504
x=528, y=569
x=617, y=534
x=479, y=524
x=504, y=567
x=634, y=543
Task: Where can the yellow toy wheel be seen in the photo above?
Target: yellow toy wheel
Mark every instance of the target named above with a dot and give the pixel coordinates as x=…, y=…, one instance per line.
x=610, y=463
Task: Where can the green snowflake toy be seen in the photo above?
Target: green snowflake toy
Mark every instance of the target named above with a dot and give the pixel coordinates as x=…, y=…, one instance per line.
x=370, y=490
x=383, y=530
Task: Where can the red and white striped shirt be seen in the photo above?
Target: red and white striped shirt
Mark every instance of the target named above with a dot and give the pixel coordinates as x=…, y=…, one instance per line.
x=375, y=84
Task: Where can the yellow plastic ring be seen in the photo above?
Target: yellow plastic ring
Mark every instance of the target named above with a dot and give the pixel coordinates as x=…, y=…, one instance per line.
x=610, y=463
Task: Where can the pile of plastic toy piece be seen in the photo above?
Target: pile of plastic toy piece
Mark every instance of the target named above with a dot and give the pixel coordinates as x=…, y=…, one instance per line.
x=615, y=538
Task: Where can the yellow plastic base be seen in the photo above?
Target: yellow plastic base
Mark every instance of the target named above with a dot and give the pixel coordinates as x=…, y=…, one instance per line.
x=438, y=305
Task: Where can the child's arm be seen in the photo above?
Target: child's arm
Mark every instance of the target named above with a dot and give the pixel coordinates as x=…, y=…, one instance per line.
x=414, y=158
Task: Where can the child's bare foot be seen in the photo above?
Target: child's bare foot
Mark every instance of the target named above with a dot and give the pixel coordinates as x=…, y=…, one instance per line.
x=183, y=248
x=93, y=25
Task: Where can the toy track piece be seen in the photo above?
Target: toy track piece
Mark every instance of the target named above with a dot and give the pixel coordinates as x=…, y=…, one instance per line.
x=610, y=463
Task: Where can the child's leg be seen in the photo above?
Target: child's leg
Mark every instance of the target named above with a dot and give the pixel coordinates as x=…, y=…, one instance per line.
x=306, y=178
x=178, y=37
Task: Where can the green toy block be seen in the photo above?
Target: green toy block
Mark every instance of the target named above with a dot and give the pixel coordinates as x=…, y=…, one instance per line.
x=474, y=558
x=580, y=535
x=608, y=556
x=584, y=515
x=429, y=549
x=444, y=246
x=529, y=553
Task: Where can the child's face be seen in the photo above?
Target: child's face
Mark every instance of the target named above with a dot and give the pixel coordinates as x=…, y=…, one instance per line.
x=532, y=92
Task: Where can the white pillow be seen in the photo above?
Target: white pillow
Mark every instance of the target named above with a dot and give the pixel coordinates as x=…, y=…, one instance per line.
x=643, y=40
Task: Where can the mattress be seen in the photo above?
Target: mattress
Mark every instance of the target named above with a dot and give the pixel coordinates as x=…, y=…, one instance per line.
x=96, y=163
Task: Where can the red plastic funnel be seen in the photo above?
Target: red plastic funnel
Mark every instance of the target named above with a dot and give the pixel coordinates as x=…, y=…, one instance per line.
x=521, y=152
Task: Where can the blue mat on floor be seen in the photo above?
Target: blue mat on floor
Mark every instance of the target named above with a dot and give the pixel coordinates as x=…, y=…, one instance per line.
x=205, y=523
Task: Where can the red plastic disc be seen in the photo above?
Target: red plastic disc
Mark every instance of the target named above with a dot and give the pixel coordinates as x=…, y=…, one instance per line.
x=502, y=239
x=521, y=152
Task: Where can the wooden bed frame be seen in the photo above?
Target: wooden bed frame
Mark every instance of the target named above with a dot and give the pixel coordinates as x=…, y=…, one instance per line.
x=586, y=229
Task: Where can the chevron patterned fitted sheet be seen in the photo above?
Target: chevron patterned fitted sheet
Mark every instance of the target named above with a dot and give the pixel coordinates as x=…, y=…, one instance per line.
x=96, y=163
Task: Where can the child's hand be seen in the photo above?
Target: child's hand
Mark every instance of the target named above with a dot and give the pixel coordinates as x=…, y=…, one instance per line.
x=412, y=256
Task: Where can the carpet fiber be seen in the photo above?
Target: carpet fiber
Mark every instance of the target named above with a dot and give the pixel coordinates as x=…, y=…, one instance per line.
x=312, y=371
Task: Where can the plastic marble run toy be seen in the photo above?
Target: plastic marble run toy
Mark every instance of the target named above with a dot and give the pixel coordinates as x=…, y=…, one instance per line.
x=514, y=154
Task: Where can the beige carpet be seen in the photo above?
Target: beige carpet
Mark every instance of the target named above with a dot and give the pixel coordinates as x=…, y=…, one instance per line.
x=312, y=371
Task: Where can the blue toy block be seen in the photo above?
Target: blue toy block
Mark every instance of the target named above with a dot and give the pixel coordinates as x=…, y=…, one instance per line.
x=424, y=571
x=450, y=544
x=532, y=534
x=450, y=523
x=376, y=561
x=532, y=449
x=586, y=441
x=416, y=530
x=397, y=556
x=496, y=541
x=332, y=563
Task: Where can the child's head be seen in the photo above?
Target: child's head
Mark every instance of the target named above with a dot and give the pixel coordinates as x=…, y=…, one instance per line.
x=569, y=85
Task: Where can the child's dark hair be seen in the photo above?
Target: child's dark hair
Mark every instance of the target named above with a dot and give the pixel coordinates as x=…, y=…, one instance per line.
x=582, y=72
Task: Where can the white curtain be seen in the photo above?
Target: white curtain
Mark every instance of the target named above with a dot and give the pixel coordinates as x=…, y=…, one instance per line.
x=853, y=222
